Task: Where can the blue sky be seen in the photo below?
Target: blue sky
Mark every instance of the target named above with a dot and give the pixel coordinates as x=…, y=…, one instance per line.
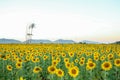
x=96, y=20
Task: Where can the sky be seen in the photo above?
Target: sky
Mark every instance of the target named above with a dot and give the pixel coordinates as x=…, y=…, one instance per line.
x=96, y=20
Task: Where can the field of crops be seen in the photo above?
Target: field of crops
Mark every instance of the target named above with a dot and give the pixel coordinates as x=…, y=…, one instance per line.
x=59, y=62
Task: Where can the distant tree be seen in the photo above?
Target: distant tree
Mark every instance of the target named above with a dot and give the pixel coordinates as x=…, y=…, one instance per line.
x=82, y=42
x=118, y=42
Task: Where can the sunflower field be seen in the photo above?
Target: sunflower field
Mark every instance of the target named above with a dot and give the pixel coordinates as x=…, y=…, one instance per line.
x=59, y=62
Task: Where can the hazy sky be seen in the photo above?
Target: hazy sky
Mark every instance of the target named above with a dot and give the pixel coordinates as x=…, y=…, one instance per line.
x=97, y=20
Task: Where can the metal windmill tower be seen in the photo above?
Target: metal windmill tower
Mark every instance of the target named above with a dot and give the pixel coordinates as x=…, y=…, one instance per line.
x=29, y=34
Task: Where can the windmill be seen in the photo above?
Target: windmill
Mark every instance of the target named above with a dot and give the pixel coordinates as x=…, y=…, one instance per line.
x=29, y=33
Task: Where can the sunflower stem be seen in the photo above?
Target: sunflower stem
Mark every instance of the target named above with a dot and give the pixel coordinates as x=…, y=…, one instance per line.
x=74, y=78
x=12, y=74
x=61, y=78
x=52, y=77
x=105, y=75
x=90, y=73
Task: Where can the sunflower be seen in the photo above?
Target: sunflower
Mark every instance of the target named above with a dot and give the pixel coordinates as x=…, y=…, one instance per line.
x=118, y=54
x=117, y=62
x=36, y=54
x=58, y=59
x=89, y=60
x=19, y=60
x=78, y=56
x=81, y=63
x=107, y=50
x=51, y=69
x=37, y=69
x=106, y=65
x=53, y=55
x=110, y=56
x=82, y=58
x=73, y=71
x=96, y=58
x=87, y=54
x=4, y=58
x=21, y=54
x=8, y=56
x=71, y=54
x=45, y=57
x=96, y=54
x=40, y=54
x=59, y=72
x=76, y=60
x=102, y=58
x=90, y=65
x=27, y=58
x=16, y=57
x=67, y=65
x=54, y=62
x=58, y=54
x=37, y=60
x=34, y=60
x=63, y=54
x=9, y=67
x=18, y=65
x=66, y=60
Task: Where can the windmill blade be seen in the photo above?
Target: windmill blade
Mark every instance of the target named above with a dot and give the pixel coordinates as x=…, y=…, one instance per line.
x=32, y=26
x=29, y=33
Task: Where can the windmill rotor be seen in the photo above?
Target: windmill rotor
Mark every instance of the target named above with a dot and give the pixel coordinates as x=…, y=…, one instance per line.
x=29, y=33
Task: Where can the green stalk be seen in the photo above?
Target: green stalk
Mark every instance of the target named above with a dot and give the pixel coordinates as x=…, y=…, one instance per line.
x=105, y=75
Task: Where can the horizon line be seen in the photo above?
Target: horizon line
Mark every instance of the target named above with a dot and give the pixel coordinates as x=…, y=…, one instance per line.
x=66, y=39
